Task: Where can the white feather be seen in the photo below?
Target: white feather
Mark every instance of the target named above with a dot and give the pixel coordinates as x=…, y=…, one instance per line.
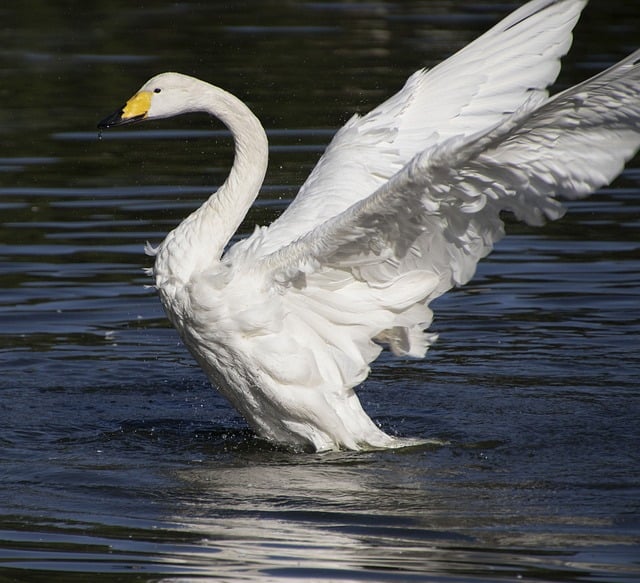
x=470, y=92
x=401, y=207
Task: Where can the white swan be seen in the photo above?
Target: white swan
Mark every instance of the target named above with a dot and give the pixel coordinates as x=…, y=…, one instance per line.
x=400, y=208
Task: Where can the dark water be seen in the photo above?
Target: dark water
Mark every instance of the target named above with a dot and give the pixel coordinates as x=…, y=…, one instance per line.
x=118, y=462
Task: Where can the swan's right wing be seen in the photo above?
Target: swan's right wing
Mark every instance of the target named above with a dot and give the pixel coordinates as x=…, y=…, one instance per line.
x=424, y=231
x=470, y=92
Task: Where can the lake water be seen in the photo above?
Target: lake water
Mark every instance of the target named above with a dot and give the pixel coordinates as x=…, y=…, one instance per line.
x=119, y=462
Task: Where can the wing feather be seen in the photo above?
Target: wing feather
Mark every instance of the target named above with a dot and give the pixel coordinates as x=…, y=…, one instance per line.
x=440, y=215
x=472, y=91
x=404, y=204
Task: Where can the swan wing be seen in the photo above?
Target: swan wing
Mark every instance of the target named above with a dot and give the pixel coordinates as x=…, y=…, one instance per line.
x=473, y=90
x=423, y=232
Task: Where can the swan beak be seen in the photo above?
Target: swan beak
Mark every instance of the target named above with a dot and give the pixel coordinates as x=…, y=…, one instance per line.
x=134, y=110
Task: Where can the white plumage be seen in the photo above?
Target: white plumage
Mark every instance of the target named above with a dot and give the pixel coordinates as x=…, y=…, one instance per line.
x=400, y=208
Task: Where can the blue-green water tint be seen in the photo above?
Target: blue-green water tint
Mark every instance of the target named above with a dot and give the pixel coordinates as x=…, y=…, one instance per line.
x=118, y=462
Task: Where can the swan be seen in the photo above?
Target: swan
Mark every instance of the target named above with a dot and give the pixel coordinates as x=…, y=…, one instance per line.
x=399, y=209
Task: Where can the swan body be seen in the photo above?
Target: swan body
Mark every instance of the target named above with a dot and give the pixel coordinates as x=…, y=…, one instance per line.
x=400, y=208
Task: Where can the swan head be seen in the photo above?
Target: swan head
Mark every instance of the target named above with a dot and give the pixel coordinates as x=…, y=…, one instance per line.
x=164, y=95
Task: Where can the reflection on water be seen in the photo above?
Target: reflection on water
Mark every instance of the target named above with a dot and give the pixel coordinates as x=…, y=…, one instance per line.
x=261, y=514
x=119, y=463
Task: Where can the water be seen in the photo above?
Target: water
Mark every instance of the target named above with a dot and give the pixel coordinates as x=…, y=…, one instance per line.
x=118, y=462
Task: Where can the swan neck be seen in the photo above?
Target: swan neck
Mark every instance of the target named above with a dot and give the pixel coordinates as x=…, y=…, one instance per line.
x=200, y=239
x=234, y=198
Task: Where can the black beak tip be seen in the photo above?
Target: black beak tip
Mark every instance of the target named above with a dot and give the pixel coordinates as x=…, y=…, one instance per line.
x=115, y=119
x=111, y=120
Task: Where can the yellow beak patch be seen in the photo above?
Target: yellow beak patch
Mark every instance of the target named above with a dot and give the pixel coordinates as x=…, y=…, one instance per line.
x=137, y=106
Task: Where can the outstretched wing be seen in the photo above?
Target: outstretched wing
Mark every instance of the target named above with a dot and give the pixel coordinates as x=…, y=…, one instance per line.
x=472, y=91
x=424, y=230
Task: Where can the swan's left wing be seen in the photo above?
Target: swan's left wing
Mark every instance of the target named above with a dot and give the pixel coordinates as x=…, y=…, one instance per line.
x=424, y=231
x=471, y=91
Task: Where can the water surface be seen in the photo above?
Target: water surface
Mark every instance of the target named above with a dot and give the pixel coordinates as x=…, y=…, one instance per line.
x=118, y=462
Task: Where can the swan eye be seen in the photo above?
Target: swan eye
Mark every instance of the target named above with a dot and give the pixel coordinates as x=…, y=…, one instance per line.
x=157, y=90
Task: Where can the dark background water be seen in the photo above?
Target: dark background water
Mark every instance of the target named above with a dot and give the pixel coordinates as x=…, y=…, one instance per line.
x=118, y=462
